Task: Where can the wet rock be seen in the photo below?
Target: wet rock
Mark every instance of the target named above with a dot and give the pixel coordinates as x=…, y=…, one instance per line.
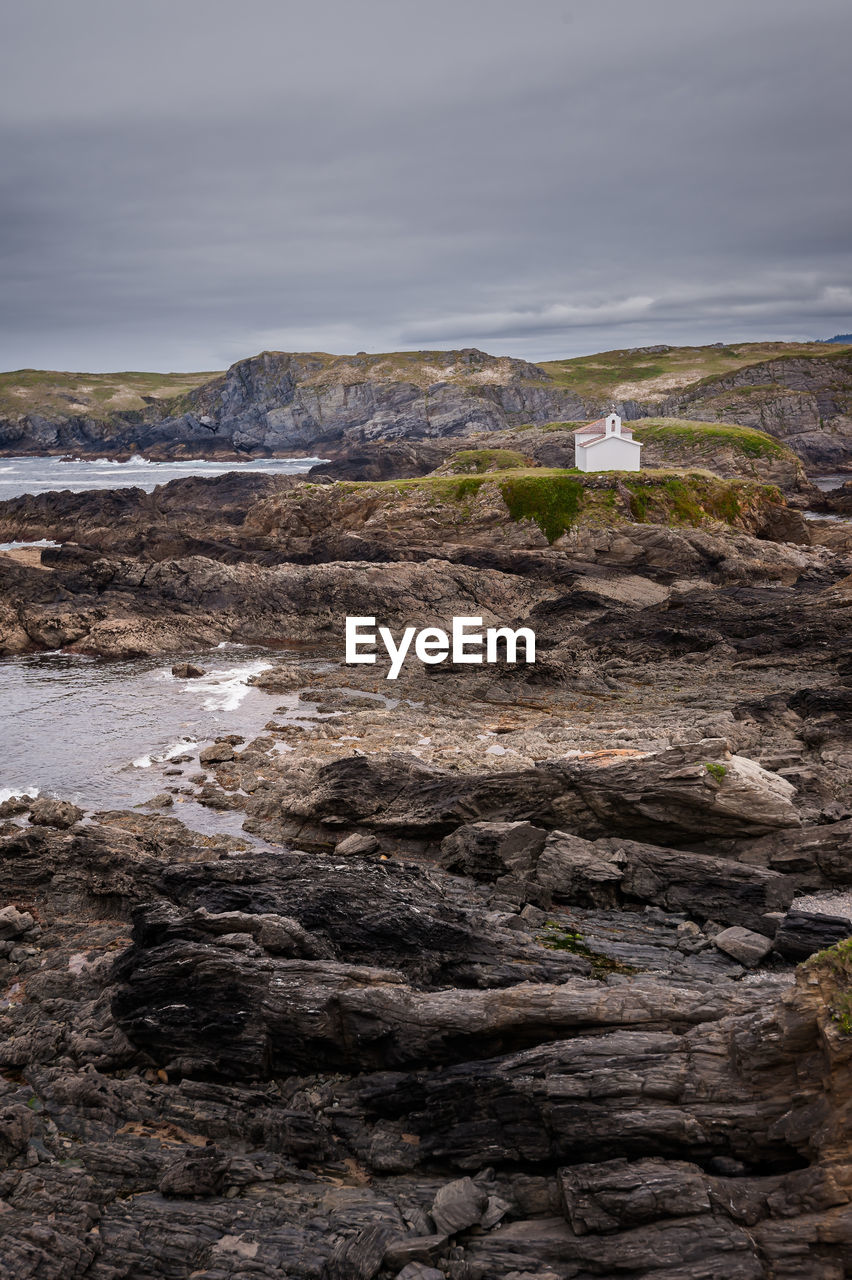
x=14, y=805
x=54, y=813
x=744, y=945
x=187, y=671
x=218, y=753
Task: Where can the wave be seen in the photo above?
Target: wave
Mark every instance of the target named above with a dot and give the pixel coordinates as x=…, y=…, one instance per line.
x=225, y=690
x=7, y=793
x=178, y=748
x=20, y=546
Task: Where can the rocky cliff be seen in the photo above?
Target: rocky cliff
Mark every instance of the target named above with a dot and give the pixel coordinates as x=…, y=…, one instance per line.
x=281, y=402
x=508, y=974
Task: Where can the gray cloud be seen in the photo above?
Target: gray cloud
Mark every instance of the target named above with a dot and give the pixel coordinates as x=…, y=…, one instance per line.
x=183, y=184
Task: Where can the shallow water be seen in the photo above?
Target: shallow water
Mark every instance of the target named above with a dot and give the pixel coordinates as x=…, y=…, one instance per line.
x=833, y=481
x=41, y=475
x=96, y=732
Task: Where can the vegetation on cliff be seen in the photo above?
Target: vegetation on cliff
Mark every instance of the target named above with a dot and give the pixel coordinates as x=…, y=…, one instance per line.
x=652, y=373
x=556, y=499
x=54, y=394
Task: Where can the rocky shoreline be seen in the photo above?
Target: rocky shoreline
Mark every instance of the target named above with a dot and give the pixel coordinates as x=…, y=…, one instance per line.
x=508, y=977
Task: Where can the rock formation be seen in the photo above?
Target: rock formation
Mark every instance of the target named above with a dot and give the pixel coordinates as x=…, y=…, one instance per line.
x=515, y=971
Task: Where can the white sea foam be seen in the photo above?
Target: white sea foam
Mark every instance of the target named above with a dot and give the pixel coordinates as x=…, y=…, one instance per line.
x=6, y=793
x=174, y=749
x=19, y=546
x=224, y=690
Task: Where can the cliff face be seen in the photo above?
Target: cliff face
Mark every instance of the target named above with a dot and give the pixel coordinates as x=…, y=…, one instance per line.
x=806, y=402
x=278, y=402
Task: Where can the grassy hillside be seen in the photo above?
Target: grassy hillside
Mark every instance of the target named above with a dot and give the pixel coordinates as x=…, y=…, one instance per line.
x=708, y=437
x=648, y=374
x=97, y=395
x=556, y=499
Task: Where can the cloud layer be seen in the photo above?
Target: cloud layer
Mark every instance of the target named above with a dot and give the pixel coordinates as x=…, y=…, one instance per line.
x=183, y=184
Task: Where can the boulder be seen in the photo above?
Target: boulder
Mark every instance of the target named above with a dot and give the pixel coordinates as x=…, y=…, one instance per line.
x=411, y=1249
x=54, y=813
x=487, y=850
x=578, y=871
x=218, y=753
x=187, y=671
x=357, y=843
x=458, y=1205
x=14, y=923
x=744, y=945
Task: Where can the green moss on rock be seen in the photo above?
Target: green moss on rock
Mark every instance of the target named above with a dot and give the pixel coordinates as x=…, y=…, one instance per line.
x=552, y=500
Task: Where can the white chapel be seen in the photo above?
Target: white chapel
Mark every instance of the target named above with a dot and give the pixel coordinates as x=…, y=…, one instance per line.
x=606, y=445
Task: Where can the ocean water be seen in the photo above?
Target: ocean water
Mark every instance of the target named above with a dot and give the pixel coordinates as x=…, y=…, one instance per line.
x=40, y=475
x=100, y=733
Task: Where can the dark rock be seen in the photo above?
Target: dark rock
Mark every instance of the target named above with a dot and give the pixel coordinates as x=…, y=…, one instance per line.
x=54, y=813
x=458, y=1205
x=357, y=844
x=218, y=753
x=801, y=933
x=187, y=671
x=195, y=1173
x=746, y=946
x=618, y=1194
x=423, y=1249
x=486, y=850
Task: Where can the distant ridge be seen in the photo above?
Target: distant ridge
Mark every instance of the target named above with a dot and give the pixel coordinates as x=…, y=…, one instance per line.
x=840, y=337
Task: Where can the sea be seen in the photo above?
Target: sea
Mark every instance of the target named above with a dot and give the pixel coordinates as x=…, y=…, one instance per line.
x=41, y=475
x=100, y=733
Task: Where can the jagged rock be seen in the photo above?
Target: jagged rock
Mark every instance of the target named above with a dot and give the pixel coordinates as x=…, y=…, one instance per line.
x=187, y=671
x=486, y=850
x=14, y=923
x=357, y=844
x=801, y=933
x=218, y=753
x=54, y=813
x=617, y=1193
x=578, y=871
x=195, y=1173
x=361, y=1257
x=415, y=1249
x=416, y=1271
x=458, y=1205
x=744, y=945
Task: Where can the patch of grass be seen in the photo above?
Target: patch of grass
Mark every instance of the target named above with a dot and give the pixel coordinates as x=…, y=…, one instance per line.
x=716, y=770
x=480, y=460
x=95, y=395
x=557, y=937
x=553, y=501
x=556, y=499
x=671, y=370
x=835, y=964
x=706, y=436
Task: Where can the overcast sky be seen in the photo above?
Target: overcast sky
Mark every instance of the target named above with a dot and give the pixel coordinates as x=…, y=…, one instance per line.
x=185, y=182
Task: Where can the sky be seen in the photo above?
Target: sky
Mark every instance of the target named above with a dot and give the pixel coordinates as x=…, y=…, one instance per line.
x=187, y=182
